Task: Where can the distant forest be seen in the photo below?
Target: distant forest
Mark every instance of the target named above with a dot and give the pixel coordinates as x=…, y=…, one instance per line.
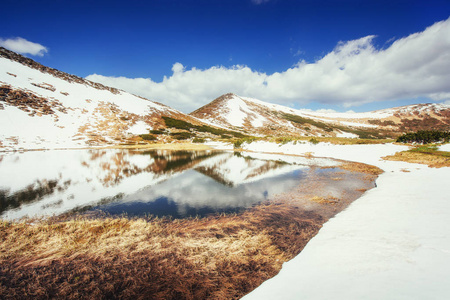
x=425, y=137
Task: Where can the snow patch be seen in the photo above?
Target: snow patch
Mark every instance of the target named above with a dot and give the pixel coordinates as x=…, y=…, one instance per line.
x=445, y=147
x=139, y=128
x=344, y=134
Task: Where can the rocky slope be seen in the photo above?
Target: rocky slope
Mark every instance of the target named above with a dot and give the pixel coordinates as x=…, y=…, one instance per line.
x=41, y=107
x=258, y=117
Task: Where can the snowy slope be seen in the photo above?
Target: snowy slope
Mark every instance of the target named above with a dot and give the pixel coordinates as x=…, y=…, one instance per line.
x=42, y=107
x=259, y=117
x=392, y=243
x=230, y=110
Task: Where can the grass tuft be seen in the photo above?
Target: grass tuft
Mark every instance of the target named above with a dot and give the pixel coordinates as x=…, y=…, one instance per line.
x=424, y=154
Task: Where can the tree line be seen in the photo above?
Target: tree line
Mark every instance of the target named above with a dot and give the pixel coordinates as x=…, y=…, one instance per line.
x=424, y=137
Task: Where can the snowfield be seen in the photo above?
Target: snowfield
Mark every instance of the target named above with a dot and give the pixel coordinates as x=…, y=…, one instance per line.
x=392, y=243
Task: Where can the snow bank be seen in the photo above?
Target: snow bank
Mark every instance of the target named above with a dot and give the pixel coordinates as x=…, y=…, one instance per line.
x=347, y=135
x=370, y=154
x=139, y=128
x=219, y=145
x=445, y=147
x=392, y=243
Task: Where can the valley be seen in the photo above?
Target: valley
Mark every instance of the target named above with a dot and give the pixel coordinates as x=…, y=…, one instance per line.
x=97, y=182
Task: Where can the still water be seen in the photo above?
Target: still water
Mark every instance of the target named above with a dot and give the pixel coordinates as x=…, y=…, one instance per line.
x=134, y=182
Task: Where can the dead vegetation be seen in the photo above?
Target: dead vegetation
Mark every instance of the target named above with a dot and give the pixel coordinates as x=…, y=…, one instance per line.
x=29, y=102
x=361, y=168
x=217, y=257
x=433, y=159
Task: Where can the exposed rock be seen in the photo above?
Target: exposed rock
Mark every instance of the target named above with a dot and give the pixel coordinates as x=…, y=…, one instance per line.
x=45, y=86
x=29, y=102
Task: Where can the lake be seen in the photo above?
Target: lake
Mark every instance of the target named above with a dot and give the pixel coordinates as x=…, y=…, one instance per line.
x=161, y=183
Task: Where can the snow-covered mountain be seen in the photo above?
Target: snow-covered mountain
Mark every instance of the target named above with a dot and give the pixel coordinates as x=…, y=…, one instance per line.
x=44, y=108
x=258, y=117
x=41, y=107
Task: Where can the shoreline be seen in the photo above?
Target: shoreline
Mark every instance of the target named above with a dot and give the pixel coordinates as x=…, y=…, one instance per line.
x=265, y=234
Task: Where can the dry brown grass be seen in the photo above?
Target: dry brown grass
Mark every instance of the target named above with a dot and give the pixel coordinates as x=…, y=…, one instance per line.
x=361, y=168
x=430, y=159
x=217, y=257
x=322, y=200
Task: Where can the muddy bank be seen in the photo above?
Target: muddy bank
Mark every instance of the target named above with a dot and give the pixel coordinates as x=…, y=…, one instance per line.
x=218, y=257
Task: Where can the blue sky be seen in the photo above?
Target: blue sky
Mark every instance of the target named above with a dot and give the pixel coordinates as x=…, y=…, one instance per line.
x=125, y=42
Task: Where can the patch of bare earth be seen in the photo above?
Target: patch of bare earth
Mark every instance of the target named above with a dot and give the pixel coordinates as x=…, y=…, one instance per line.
x=217, y=257
x=28, y=102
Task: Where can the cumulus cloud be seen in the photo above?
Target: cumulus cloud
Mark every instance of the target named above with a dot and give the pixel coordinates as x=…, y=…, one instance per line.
x=354, y=73
x=21, y=45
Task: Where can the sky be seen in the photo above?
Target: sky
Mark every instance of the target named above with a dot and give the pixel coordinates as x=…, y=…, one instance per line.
x=343, y=55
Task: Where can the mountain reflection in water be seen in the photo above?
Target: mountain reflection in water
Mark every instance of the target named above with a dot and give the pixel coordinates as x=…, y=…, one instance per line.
x=156, y=182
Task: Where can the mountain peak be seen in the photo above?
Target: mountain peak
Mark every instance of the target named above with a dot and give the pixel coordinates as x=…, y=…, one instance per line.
x=41, y=107
x=260, y=118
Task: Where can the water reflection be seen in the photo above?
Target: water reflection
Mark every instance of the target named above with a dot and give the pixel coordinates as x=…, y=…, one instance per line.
x=158, y=182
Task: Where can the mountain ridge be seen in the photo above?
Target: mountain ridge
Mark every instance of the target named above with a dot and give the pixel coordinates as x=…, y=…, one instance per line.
x=44, y=108
x=41, y=107
x=243, y=113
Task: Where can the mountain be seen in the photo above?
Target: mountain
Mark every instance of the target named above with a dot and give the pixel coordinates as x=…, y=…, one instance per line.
x=44, y=108
x=257, y=117
x=41, y=107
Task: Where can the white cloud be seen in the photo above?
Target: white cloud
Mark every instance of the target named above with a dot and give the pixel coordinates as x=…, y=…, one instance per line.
x=354, y=73
x=21, y=45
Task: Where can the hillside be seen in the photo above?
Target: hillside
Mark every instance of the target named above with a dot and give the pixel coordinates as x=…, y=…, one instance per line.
x=42, y=108
x=258, y=117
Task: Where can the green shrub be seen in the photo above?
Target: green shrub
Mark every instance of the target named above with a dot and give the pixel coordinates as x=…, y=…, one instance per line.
x=157, y=131
x=148, y=137
x=302, y=121
x=284, y=140
x=180, y=124
x=313, y=141
x=226, y=136
x=238, y=143
x=198, y=140
x=181, y=135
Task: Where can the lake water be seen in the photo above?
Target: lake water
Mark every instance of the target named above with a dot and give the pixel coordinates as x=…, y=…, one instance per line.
x=158, y=182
